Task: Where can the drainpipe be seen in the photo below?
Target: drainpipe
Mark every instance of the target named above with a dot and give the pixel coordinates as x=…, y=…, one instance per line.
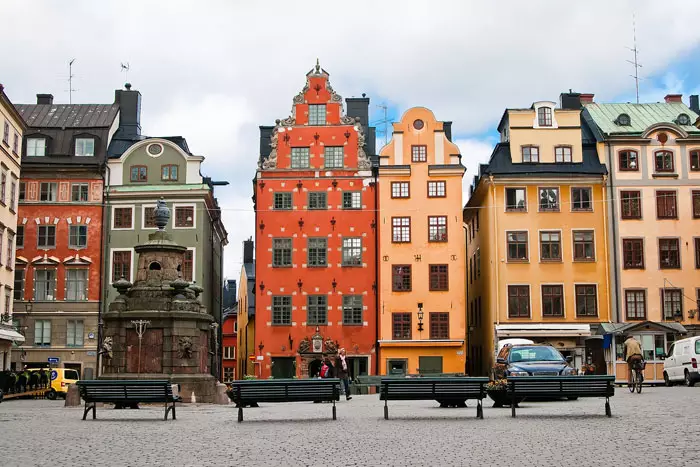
x=466, y=300
x=104, y=281
x=605, y=243
x=613, y=224
x=496, y=263
x=375, y=171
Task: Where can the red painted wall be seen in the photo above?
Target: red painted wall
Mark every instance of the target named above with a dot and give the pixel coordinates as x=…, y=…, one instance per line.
x=228, y=331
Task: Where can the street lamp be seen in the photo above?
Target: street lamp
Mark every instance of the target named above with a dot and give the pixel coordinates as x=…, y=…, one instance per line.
x=420, y=316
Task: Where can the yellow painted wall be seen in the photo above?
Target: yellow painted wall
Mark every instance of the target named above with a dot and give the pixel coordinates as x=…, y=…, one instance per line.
x=566, y=133
x=245, y=349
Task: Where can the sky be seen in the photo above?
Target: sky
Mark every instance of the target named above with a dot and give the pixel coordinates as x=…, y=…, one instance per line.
x=213, y=71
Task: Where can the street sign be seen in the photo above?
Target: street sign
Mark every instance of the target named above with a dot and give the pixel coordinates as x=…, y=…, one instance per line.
x=53, y=360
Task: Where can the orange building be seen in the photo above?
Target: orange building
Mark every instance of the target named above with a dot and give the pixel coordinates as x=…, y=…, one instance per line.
x=315, y=248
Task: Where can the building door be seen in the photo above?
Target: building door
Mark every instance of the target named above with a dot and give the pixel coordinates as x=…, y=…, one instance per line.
x=357, y=366
x=396, y=367
x=283, y=367
x=596, y=355
x=429, y=365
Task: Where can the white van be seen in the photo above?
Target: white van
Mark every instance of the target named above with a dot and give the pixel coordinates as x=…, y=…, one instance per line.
x=681, y=364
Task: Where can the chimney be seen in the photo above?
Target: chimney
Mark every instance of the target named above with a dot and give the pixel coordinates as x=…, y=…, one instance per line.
x=447, y=128
x=248, y=251
x=586, y=99
x=570, y=100
x=129, y=110
x=673, y=98
x=44, y=99
x=694, y=104
x=265, y=140
x=358, y=107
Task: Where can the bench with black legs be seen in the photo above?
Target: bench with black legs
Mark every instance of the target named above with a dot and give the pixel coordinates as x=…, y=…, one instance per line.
x=127, y=393
x=520, y=387
x=284, y=390
x=447, y=391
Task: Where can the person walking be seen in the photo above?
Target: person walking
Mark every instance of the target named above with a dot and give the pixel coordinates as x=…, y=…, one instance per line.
x=342, y=370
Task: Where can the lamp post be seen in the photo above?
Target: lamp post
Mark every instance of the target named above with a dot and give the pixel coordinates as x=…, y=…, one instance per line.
x=420, y=319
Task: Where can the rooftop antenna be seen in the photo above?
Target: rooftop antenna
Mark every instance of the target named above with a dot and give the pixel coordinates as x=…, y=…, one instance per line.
x=636, y=63
x=70, y=81
x=125, y=69
x=384, y=123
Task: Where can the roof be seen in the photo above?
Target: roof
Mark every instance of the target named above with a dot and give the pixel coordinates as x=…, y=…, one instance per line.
x=142, y=188
x=502, y=164
x=249, y=270
x=642, y=116
x=68, y=115
x=621, y=328
x=12, y=108
x=250, y=275
x=120, y=144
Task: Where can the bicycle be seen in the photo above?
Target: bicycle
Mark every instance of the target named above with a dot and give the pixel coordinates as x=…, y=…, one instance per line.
x=637, y=377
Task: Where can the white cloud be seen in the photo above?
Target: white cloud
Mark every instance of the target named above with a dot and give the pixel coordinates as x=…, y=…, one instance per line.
x=474, y=152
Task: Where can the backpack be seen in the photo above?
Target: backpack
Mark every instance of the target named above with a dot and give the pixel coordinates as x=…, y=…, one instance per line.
x=324, y=371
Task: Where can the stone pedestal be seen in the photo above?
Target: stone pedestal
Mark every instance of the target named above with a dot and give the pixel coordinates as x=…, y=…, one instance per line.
x=221, y=397
x=72, y=396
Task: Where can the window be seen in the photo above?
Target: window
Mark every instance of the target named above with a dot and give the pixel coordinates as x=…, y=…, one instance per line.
x=517, y=246
x=352, y=309
x=79, y=192
x=42, y=332
x=282, y=310
x=562, y=154
x=550, y=246
x=352, y=251
x=401, y=278
x=663, y=161
x=581, y=199
x=419, y=153
x=77, y=236
x=586, y=300
x=635, y=304
x=317, y=249
x=230, y=352
x=401, y=229
x=49, y=192
x=552, y=300
x=666, y=207
x=531, y=153
x=516, y=199
x=437, y=189
x=401, y=326
x=184, y=216
x=631, y=204
x=695, y=161
x=478, y=262
x=168, y=173
x=6, y=134
x=229, y=374
x=44, y=284
x=584, y=249
x=75, y=333
x=36, y=147
x=300, y=158
x=352, y=200
x=695, y=198
x=439, y=325
x=188, y=265
x=518, y=301
x=121, y=265
x=316, y=310
x=19, y=284
x=437, y=228
x=317, y=200
x=20, y=237
x=697, y=254
x=3, y=187
x=46, y=237
x=149, y=217
x=15, y=144
x=282, y=252
x=633, y=253
x=549, y=199
x=333, y=157
x=283, y=201
x=8, y=301
x=544, y=116
x=123, y=218
x=672, y=300
x=400, y=190
x=139, y=173
x=628, y=161
x=85, y=147
x=13, y=193
x=439, y=277
x=22, y=191
x=669, y=257
x=317, y=114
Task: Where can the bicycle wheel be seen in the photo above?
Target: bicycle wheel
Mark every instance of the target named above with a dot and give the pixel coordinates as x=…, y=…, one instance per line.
x=640, y=379
x=634, y=382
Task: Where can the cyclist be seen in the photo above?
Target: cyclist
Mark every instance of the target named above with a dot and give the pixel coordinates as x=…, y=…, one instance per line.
x=633, y=356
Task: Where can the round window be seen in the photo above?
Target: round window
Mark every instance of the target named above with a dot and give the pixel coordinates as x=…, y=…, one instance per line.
x=155, y=149
x=683, y=119
x=418, y=124
x=663, y=137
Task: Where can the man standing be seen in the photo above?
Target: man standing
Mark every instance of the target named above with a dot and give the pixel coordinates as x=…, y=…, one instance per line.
x=342, y=371
x=633, y=355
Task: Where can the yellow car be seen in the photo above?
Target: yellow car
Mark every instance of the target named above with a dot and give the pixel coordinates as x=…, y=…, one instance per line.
x=60, y=379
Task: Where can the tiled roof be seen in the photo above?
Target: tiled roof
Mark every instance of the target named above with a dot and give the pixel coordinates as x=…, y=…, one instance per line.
x=68, y=115
x=642, y=116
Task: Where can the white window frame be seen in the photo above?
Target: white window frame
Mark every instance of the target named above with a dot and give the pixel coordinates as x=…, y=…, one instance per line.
x=563, y=300
x=119, y=206
x=194, y=215
x=143, y=216
x=194, y=262
x=84, y=139
x=597, y=301
x=111, y=262
x=35, y=146
x=87, y=283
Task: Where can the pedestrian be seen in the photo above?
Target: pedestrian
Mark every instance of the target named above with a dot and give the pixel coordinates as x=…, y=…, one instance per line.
x=342, y=370
x=326, y=368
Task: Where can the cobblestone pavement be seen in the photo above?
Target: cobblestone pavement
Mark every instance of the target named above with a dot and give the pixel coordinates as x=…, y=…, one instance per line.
x=658, y=427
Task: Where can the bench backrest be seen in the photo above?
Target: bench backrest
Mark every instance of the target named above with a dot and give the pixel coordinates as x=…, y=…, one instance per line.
x=285, y=390
x=581, y=386
x=125, y=390
x=406, y=388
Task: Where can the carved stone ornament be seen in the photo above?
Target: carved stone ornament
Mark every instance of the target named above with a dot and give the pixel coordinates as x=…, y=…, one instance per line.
x=184, y=348
x=106, y=350
x=335, y=98
x=161, y=214
x=330, y=346
x=270, y=161
x=299, y=98
x=305, y=345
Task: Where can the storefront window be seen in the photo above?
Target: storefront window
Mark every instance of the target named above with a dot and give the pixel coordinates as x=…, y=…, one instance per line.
x=653, y=346
x=659, y=346
x=647, y=341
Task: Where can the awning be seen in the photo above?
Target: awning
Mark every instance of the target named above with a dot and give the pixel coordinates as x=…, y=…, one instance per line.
x=621, y=328
x=545, y=330
x=10, y=335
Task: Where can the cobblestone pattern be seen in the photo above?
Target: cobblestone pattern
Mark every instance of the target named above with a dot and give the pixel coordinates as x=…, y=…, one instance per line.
x=658, y=427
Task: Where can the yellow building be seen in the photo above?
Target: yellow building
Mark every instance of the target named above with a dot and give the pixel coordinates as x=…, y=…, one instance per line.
x=245, y=340
x=422, y=322
x=12, y=127
x=537, y=239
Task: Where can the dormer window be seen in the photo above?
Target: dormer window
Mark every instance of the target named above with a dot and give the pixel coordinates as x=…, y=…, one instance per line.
x=317, y=114
x=623, y=120
x=139, y=173
x=544, y=116
x=531, y=154
x=562, y=154
x=168, y=173
x=36, y=147
x=85, y=147
x=683, y=119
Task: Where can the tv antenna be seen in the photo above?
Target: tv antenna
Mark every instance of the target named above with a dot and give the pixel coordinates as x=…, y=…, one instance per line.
x=382, y=125
x=70, y=81
x=636, y=63
x=125, y=69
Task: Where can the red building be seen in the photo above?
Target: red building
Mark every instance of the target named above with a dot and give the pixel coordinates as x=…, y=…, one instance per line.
x=229, y=332
x=315, y=245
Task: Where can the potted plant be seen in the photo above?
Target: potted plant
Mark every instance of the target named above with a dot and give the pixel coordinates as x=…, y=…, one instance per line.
x=497, y=390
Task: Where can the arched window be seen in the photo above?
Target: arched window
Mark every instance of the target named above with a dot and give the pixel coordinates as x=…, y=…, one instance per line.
x=628, y=161
x=663, y=161
x=544, y=116
x=683, y=119
x=624, y=120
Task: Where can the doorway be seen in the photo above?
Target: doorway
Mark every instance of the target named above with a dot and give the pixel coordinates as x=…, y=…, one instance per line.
x=595, y=354
x=429, y=365
x=396, y=367
x=357, y=366
x=283, y=367
x=315, y=368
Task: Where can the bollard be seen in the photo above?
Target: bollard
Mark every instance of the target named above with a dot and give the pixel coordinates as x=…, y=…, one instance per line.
x=72, y=396
x=221, y=396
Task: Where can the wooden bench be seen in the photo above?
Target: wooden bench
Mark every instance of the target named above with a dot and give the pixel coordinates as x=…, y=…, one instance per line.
x=561, y=386
x=452, y=391
x=127, y=393
x=284, y=390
